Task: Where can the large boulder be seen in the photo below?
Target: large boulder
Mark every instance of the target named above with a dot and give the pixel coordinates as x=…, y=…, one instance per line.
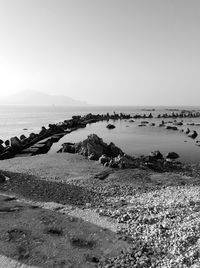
x=22, y=137
x=113, y=151
x=93, y=147
x=2, y=148
x=7, y=142
x=32, y=136
x=15, y=143
x=43, y=131
x=2, y=178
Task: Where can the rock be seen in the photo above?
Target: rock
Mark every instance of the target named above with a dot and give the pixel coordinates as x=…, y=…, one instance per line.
x=110, y=126
x=1, y=142
x=131, y=121
x=171, y=127
x=125, y=161
x=22, y=137
x=95, y=146
x=156, y=155
x=43, y=131
x=193, y=134
x=113, y=164
x=1, y=148
x=32, y=136
x=92, y=156
x=68, y=148
x=15, y=143
x=187, y=131
x=113, y=151
x=104, y=159
x=92, y=145
x=172, y=155
x=2, y=178
x=7, y=142
x=152, y=124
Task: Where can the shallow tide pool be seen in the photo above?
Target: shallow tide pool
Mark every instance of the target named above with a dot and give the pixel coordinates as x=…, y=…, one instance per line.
x=135, y=140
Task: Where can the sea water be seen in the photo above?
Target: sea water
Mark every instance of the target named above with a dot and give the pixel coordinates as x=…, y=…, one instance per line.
x=132, y=139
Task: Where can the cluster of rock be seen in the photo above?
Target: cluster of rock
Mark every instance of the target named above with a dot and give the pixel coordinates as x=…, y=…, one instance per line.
x=93, y=147
x=109, y=155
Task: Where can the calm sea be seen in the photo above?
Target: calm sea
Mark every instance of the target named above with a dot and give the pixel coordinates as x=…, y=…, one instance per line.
x=134, y=140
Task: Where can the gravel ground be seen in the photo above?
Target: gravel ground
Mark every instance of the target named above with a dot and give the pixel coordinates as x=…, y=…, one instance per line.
x=160, y=211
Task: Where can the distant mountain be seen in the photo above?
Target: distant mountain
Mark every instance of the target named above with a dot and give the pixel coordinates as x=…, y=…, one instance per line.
x=32, y=97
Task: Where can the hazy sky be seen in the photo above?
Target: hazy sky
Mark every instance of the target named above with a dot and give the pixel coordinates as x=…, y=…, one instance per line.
x=128, y=52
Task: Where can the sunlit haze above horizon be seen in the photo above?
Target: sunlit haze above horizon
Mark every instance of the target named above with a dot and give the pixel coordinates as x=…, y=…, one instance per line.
x=104, y=52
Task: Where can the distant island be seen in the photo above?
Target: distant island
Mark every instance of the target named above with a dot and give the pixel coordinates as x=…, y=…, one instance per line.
x=33, y=97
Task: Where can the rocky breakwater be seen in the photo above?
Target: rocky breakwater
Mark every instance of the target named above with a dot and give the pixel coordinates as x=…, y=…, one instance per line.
x=33, y=144
x=42, y=141
x=181, y=114
x=109, y=155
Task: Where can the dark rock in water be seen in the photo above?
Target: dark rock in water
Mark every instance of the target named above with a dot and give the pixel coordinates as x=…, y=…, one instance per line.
x=43, y=131
x=171, y=127
x=7, y=142
x=144, y=122
x=32, y=136
x=193, y=134
x=1, y=142
x=156, y=155
x=15, y=143
x=152, y=124
x=131, y=121
x=110, y=126
x=172, y=155
x=2, y=178
x=22, y=137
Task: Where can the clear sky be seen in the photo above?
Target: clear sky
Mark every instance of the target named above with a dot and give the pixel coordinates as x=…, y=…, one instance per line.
x=128, y=52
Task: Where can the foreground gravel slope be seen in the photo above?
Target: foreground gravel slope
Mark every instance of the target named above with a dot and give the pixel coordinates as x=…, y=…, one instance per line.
x=160, y=212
